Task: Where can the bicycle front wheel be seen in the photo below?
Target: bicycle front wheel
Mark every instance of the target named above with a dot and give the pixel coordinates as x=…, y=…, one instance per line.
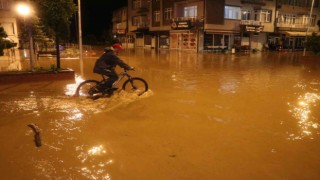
x=87, y=88
x=135, y=85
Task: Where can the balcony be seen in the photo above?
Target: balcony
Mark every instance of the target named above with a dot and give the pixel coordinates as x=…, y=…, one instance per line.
x=250, y=23
x=193, y=22
x=143, y=26
x=191, y=19
x=286, y=25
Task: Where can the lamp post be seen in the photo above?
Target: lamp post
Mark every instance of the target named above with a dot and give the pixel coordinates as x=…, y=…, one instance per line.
x=80, y=36
x=305, y=41
x=25, y=11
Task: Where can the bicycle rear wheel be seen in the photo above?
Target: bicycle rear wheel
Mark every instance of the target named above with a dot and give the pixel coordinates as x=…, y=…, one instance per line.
x=87, y=88
x=135, y=85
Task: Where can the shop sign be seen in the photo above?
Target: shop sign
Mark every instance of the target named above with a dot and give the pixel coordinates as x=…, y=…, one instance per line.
x=121, y=31
x=256, y=29
x=180, y=25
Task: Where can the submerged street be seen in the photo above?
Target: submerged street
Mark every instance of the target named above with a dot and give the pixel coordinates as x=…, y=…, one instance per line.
x=206, y=116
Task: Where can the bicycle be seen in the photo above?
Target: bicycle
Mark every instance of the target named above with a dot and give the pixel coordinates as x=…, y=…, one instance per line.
x=90, y=88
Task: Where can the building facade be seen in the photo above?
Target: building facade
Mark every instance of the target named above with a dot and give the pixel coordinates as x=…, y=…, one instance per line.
x=120, y=27
x=8, y=20
x=293, y=23
x=203, y=25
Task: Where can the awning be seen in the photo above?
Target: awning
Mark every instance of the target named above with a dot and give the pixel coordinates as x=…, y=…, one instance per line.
x=301, y=33
x=141, y=31
x=210, y=31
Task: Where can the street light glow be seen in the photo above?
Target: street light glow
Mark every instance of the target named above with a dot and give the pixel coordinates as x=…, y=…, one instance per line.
x=23, y=9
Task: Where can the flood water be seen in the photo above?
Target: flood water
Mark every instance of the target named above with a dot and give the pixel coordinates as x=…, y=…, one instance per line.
x=206, y=116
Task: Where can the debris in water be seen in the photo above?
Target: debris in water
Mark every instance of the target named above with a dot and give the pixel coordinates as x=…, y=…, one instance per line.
x=36, y=130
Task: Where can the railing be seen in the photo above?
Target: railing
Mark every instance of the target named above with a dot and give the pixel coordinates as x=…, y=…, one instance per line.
x=143, y=26
x=250, y=22
x=191, y=19
x=292, y=25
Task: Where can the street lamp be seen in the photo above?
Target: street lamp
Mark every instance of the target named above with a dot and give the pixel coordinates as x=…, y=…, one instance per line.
x=305, y=41
x=25, y=11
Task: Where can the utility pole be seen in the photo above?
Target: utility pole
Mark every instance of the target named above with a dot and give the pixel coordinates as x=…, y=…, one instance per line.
x=305, y=41
x=80, y=36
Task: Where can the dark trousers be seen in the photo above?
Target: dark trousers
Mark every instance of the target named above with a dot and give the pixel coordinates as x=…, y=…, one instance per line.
x=111, y=74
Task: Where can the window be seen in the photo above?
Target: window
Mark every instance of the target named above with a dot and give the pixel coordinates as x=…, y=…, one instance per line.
x=8, y=28
x=135, y=20
x=4, y=4
x=168, y=13
x=245, y=14
x=140, y=21
x=263, y=15
x=232, y=12
x=190, y=11
x=136, y=4
x=156, y=16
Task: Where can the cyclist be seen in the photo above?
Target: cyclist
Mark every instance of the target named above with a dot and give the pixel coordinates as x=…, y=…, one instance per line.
x=107, y=63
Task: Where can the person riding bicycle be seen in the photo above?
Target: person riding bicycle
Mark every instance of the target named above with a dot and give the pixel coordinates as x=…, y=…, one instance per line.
x=107, y=63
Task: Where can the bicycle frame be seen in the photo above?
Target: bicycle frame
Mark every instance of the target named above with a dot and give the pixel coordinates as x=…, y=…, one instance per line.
x=120, y=77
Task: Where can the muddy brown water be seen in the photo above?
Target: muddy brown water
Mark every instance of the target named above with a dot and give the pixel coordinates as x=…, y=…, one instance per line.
x=206, y=116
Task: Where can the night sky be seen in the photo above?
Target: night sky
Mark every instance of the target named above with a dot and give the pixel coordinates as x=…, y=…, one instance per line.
x=97, y=15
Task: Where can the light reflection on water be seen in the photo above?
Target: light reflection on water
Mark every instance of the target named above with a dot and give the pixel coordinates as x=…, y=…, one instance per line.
x=302, y=111
x=93, y=168
x=71, y=88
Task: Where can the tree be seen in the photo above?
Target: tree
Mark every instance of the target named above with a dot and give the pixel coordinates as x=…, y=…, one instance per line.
x=55, y=16
x=313, y=43
x=4, y=42
x=38, y=34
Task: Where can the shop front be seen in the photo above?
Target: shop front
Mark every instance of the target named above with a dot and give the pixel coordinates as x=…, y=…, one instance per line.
x=252, y=36
x=220, y=41
x=185, y=36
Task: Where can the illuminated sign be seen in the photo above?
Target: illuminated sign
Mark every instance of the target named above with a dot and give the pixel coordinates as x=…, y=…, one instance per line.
x=180, y=25
x=256, y=29
x=121, y=31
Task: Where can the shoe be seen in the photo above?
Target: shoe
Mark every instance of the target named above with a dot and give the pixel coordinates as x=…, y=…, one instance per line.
x=95, y=97
x=94, y=90
x=108, y=91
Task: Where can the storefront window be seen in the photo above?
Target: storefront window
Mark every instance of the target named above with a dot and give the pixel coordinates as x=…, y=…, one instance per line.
x=218, y=39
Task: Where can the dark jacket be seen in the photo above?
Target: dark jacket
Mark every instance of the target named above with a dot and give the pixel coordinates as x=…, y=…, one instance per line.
x=109, y=61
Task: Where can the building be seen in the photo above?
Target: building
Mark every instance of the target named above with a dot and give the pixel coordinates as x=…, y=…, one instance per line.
x=120, y=27
x=8, y=19
x=219, y=25
x=293, y=21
